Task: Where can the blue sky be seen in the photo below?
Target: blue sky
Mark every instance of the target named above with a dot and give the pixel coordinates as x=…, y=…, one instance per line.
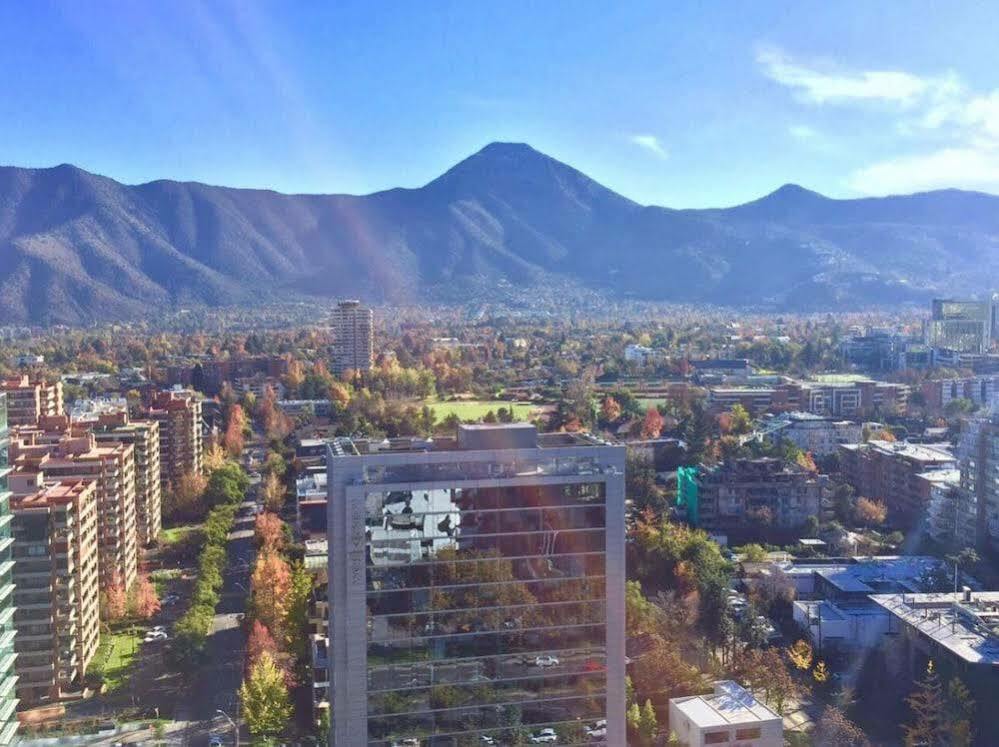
x=686, y=105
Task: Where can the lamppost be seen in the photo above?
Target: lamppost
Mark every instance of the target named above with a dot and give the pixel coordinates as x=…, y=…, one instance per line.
x=235, y=726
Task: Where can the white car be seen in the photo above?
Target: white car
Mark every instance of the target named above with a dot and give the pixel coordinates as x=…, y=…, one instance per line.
x=546, y=661
x=545, y=736
x=156, y=635
x=487, y=740
x=597, y=730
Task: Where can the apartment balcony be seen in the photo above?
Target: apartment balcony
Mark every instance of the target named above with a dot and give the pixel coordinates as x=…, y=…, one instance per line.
x=7, y=708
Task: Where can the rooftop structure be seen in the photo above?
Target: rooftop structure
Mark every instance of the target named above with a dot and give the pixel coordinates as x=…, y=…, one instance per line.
x=964, y=625
x=29, y=399
x=730, y=715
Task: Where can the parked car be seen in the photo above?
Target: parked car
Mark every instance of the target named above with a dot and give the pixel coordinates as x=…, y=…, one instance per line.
x=546, y=661
x=597, y=730
x=214, y=741
x=487, y=740
x=156, y=635
x=545, y=736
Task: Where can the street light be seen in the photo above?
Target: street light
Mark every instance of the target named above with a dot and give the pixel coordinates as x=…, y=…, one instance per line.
x=235, y=726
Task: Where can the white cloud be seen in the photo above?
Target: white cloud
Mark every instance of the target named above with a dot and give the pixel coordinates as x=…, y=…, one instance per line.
x=802, y=132
x=951, y=132
x=821, y=86
x=964, y=167
x=650, y=143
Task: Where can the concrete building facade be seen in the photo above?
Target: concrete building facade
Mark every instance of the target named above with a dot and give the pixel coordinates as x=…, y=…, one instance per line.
x=731, y=715
x=181, y=442
x=8, y=654
x=76, y=455
x=29, y=399
x=144, y=436
x=476, y=587
x=57, y=592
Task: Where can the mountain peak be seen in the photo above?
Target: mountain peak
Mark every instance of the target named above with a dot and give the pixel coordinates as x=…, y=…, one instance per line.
x=791, y=191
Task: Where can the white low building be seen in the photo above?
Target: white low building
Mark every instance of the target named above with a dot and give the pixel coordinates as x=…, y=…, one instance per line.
x=816, y=434
x=731, y=715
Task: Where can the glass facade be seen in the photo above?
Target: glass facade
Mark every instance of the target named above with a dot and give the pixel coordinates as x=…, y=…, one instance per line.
x=8, y=696
x=486, y=605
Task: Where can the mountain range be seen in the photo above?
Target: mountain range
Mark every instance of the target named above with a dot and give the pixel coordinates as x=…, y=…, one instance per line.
x=77, y=247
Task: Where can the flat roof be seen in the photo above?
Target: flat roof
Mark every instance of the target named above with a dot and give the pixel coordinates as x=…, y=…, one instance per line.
x=470, y=437
x=730, y=704
x=968, y=629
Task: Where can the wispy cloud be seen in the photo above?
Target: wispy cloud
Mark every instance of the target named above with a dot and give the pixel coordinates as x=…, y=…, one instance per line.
x=650, y=143
x=802, y=132
x=822, y=84
x=951, y=132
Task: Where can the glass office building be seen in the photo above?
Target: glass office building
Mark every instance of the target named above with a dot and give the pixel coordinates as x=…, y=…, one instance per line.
x=477, y=589
x=8, y=697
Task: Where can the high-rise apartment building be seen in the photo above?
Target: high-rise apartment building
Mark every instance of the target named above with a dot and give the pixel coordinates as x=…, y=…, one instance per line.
x=181, y=446
x=76, y=455
x=56, y=585
x=963, y=326
x=8, y=679
x=476, y=588
x=144, y=435
x=353, y=341
x=30, y=399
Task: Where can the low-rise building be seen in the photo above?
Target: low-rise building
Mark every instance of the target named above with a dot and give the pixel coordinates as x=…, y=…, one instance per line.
x=730, y=715
x=56, y=579
x=743, y=493
x=979, y=390
x=890, y=471
x=817, y=434
x=832, y=598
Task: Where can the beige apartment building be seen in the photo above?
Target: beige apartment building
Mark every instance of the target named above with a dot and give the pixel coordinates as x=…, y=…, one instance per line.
x=61, y=453
x=29, y=399
x=181, y=449
x=144, y=435
x=56, y=584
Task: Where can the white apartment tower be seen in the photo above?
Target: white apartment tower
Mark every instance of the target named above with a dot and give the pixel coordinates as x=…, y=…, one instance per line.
x=353, y=343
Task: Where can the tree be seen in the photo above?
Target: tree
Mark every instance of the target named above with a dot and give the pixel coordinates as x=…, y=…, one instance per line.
x=259, y=642
x=269, y=531
x=115, y=598
x=870, y=512
x=967, y=556
x=648, y=725
x=820, y=674
x=264, y=695
x=186, y=496
x=213, y=458
x=958, y=712
x=270, y=584
x=653, y=423
x=741, y=423
x=801, y=655
x=144, y=602
x=610, y=410
x=927, y=705
x=834, y=729
x=753, y=553
x=297, y=615
x=273, y=492
x=233, y=438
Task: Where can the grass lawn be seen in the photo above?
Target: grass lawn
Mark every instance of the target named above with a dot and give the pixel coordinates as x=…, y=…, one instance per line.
x=476, y=409
x=174, y=535
x=161, y=576
x=114, y=657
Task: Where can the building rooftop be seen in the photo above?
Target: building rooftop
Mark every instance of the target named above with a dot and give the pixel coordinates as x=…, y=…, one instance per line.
x=916, y=452
x=869, y=575
x=965, y=623
x=470, y=437
x=729, y=704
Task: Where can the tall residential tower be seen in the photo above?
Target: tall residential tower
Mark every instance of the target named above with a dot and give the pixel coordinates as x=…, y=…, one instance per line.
x=8, y=695
x=353, y=342
x=476, y=588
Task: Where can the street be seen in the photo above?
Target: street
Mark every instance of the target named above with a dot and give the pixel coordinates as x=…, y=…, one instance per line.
x=215, y=686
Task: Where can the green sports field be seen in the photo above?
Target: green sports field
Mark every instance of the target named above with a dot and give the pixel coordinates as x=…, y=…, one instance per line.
x=476, y=409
